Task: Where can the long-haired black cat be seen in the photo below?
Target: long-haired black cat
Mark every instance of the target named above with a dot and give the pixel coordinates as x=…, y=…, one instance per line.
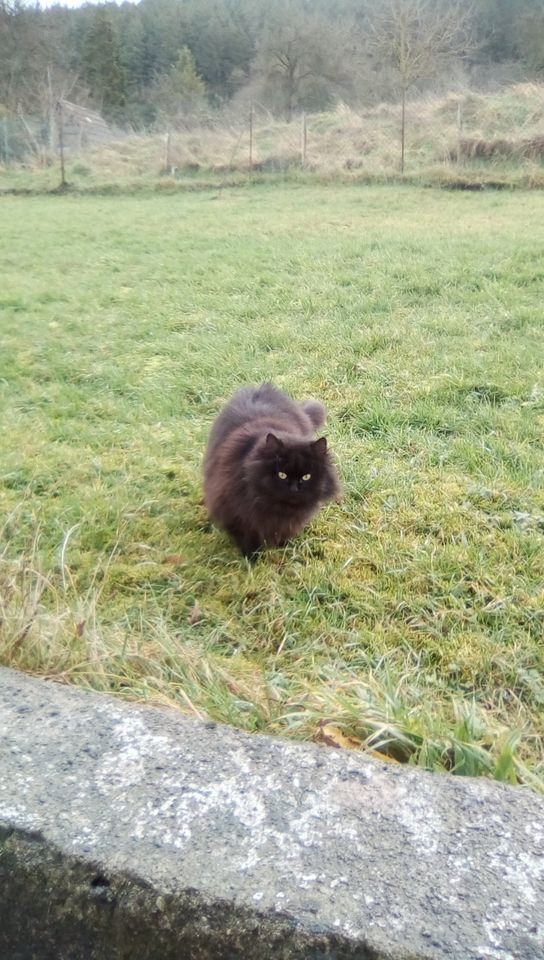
x=265, y=473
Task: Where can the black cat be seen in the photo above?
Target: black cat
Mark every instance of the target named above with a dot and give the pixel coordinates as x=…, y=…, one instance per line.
x=265, y=474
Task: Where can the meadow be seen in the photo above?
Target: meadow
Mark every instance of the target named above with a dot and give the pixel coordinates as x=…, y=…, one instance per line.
x=408, y=619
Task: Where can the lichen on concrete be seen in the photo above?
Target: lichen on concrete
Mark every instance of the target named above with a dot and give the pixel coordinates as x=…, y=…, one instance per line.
x=134, y=832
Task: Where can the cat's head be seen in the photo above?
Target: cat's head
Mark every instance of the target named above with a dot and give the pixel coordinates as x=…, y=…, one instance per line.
x=292, y=472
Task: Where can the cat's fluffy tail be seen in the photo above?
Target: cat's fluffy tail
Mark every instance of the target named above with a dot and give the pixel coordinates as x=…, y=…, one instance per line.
x=315, y=411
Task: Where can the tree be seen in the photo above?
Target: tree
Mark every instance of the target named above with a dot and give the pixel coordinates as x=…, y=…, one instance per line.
x=495, y=28
x=221, y=35
x=302, y=60
x=186, y=82
x=163, y=23
x=530, y=35
x=417, y=37
x=101, y=66
x=23, y=54
x=137, y=52
x=182, y=90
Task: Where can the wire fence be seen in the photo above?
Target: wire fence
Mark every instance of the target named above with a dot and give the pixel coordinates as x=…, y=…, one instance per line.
x=459, y=130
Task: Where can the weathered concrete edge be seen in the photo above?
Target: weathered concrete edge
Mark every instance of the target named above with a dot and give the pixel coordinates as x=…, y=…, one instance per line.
x=55, y=907
x=70, y=890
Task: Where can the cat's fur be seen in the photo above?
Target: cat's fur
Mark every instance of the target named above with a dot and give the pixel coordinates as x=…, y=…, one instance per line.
x=260, y=433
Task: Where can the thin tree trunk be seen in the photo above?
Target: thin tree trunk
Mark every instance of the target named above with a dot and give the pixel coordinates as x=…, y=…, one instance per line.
x=6, y=140
x=60, y=121
x=167, y=158
x=250, y=138
x=291, y=90
x=404, y=73
x=459, y=132
x=289, y=112
x=303, y=140
x=50, y=113
x=403, y=130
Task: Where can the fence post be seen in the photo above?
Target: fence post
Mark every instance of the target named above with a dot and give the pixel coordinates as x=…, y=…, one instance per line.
x=167, y=157
x=303, y=140
x=403, y=129
x=250, y=138
x=6, y=140
x=459, y=131
x=60, y=126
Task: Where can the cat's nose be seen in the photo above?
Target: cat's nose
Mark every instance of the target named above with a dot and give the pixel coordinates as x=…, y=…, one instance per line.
x=294, y=487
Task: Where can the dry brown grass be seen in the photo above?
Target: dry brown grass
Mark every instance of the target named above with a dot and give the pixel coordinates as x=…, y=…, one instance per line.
x=507, y=125
x=500, y=132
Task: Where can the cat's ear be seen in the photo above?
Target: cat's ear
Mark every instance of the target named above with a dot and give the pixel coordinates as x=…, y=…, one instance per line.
x=319, y=447
x=273, y=443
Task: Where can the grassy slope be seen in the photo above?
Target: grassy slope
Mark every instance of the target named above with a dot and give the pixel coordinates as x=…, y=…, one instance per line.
x=412, y=614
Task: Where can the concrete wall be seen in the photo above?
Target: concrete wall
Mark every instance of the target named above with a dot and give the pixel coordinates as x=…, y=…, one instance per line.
x=128, y=832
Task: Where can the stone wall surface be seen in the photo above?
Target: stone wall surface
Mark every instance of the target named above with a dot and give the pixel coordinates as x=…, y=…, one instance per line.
x=134, y=833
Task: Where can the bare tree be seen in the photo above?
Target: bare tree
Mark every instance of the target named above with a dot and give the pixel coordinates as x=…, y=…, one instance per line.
x=417, y=38
x=303, y=60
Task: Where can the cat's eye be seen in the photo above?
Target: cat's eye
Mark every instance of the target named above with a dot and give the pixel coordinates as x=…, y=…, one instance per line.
x=307, y=476
x=282, y=475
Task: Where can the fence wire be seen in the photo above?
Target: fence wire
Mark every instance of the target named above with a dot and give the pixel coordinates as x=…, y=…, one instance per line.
x=458, y=130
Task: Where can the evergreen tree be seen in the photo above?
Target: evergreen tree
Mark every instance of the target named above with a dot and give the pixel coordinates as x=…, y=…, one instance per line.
x=101, y=66
x=222, y=35
x=530, y=35
x=183, y=90
x=134, y=55
x=137, y=60
x=185, y=80
x=164, y=26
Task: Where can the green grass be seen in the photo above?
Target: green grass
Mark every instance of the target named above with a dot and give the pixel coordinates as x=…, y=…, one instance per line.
x=410, y=615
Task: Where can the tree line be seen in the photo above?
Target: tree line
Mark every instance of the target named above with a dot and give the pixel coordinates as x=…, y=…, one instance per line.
x=140, y=64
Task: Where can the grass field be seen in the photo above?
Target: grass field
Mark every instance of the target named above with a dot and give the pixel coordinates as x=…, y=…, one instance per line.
x=411, y=615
